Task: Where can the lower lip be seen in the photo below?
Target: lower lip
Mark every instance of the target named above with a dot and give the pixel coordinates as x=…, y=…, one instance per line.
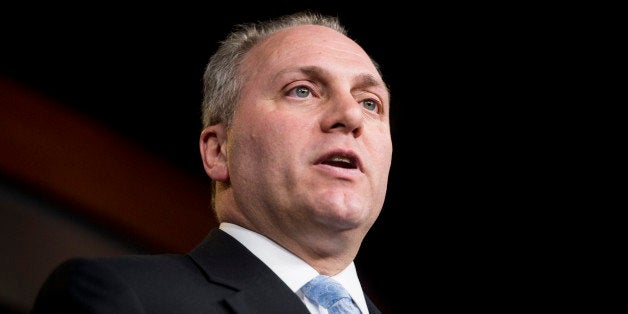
x=338, y=172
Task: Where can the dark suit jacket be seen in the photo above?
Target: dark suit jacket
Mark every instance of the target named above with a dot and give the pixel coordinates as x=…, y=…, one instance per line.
x=218, y=276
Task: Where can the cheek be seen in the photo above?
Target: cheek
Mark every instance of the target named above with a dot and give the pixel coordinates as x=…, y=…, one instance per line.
x=284, y=128
x=381, y=151
x=267, y=136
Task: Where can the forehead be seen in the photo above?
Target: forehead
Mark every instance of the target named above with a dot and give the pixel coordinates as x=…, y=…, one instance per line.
x=308, y=45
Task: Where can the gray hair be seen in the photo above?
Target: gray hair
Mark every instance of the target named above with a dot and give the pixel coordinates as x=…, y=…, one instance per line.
x=222, y=81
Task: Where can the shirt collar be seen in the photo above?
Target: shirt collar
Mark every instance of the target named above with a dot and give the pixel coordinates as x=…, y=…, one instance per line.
x=290, y=268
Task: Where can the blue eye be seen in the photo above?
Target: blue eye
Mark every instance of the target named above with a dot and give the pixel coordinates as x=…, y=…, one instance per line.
x=369, y=104
x=302, y=92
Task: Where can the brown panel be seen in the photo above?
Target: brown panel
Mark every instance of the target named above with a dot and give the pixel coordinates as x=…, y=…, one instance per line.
x=100, y=173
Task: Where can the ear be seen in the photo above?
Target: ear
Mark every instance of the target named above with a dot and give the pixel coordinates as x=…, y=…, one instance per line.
x=214, y=152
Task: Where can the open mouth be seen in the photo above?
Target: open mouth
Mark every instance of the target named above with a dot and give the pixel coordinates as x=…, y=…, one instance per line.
x=341, y=160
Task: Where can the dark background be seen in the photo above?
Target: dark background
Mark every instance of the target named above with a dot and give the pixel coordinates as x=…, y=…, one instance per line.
x=460, y=191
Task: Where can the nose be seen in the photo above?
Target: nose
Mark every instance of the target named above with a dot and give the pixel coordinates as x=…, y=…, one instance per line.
x=343, y=114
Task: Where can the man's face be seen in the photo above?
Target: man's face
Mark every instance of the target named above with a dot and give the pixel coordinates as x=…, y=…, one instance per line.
x=310, y=143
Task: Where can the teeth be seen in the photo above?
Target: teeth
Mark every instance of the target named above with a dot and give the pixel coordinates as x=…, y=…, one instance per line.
x=341, y=159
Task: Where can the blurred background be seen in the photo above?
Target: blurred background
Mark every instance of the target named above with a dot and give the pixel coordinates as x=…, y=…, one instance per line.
x=100, y=120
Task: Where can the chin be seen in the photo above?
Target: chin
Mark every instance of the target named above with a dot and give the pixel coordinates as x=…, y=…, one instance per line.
x=342, y=212
x=346, y=219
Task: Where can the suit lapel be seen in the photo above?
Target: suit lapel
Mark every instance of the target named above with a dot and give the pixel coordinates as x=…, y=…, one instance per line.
x=266, y=296
x=371, y=306
x=258, y=290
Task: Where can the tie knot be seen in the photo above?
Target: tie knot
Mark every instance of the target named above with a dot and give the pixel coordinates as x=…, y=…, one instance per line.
x=330, y=294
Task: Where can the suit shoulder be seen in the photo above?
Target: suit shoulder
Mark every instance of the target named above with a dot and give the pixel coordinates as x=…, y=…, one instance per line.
x=146, y=283
x=136, y=268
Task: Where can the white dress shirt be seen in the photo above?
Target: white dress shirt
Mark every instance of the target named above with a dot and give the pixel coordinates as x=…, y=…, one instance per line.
x=291, y=269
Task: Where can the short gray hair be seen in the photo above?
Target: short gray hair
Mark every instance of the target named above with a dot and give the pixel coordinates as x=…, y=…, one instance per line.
x=222, y=81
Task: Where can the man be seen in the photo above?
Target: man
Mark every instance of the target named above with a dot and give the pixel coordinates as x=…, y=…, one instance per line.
x=297, y=143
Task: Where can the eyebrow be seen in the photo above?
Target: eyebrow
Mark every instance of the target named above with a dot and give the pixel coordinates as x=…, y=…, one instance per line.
x=368, y=80
x=363, y=80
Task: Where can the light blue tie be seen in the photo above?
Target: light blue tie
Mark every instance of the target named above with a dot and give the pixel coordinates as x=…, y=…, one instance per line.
x=330, y=294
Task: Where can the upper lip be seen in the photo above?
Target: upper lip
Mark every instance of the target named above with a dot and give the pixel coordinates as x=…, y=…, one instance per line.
x=341, y=158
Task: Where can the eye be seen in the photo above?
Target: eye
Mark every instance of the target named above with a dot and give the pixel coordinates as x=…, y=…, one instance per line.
x=300, y=92
x=370, y=104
